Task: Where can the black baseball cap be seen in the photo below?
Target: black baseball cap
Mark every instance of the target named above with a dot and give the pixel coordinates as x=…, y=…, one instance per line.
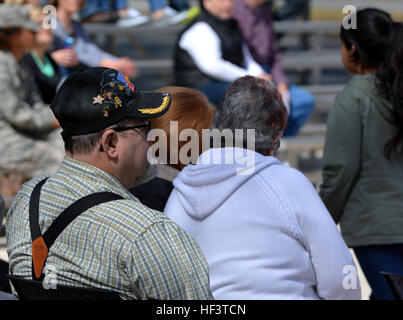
x=96, y=98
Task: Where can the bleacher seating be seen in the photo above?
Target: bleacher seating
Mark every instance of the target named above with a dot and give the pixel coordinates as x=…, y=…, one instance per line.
x=319, y=56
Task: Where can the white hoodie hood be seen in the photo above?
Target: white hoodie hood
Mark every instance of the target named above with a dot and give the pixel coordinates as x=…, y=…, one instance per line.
x=218, y=173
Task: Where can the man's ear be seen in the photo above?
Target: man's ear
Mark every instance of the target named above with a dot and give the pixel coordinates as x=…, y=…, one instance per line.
x=109, y=141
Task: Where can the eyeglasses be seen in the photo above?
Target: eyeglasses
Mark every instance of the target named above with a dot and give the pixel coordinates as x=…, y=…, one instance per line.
x=146, y=126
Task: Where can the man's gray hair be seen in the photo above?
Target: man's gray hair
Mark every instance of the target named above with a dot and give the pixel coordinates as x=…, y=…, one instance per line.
x=253, y=103
x=86, y=143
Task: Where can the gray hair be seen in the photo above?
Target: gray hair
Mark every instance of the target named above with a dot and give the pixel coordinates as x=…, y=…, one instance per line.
x=86, y=143
x=253, y=103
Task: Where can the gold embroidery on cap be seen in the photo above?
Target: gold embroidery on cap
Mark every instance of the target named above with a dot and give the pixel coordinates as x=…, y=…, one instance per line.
x=118, y=102
x=165, y=102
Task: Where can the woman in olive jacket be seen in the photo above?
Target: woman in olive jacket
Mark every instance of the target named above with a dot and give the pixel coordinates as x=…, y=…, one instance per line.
x=363, y=160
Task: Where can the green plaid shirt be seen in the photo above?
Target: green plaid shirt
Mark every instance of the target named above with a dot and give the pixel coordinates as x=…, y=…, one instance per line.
x=121, y=245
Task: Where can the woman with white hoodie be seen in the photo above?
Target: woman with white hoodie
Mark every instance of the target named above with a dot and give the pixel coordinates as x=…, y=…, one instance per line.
x=261, y=225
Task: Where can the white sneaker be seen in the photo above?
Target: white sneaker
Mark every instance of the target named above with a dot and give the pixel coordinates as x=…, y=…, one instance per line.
x=179, y=17
x=133, y=13
x=169, y=12
x=132, y=22
x=171, y=17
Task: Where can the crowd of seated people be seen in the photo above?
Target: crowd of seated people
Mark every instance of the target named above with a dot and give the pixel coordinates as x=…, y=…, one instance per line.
x=71, y=115
x=56, y=53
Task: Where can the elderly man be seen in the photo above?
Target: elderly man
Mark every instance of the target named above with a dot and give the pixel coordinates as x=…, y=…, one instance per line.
x=261, y=225
x=110, y=240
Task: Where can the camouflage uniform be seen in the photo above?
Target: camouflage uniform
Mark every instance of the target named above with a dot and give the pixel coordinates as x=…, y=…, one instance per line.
x=28, y=146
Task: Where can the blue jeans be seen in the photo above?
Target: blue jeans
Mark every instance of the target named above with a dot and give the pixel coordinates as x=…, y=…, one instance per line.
x=376, y=258
x=302, y=103
x=98, y=6
x=178, y=5
x=157, y=4
x=215, y=90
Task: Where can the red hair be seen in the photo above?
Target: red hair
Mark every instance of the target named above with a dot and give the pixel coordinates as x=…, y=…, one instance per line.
x=191, y=109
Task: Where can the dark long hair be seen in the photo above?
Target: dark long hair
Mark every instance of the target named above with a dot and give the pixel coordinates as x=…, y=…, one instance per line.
x=379, y=45
x=390, y=74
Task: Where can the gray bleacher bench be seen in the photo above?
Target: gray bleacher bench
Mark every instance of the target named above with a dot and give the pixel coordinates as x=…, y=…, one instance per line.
x=315, y=60
x=301, y=143
x=298, y=61
x=294, y=147
x=299, y=27
x=314, y=129
x=302, y=60
x=113, y=29
x=312, y=135
x=324, y=89
x=324, y=96
x=294, y=61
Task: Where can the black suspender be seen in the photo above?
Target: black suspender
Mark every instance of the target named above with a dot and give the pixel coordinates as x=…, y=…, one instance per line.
x=42, y=243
